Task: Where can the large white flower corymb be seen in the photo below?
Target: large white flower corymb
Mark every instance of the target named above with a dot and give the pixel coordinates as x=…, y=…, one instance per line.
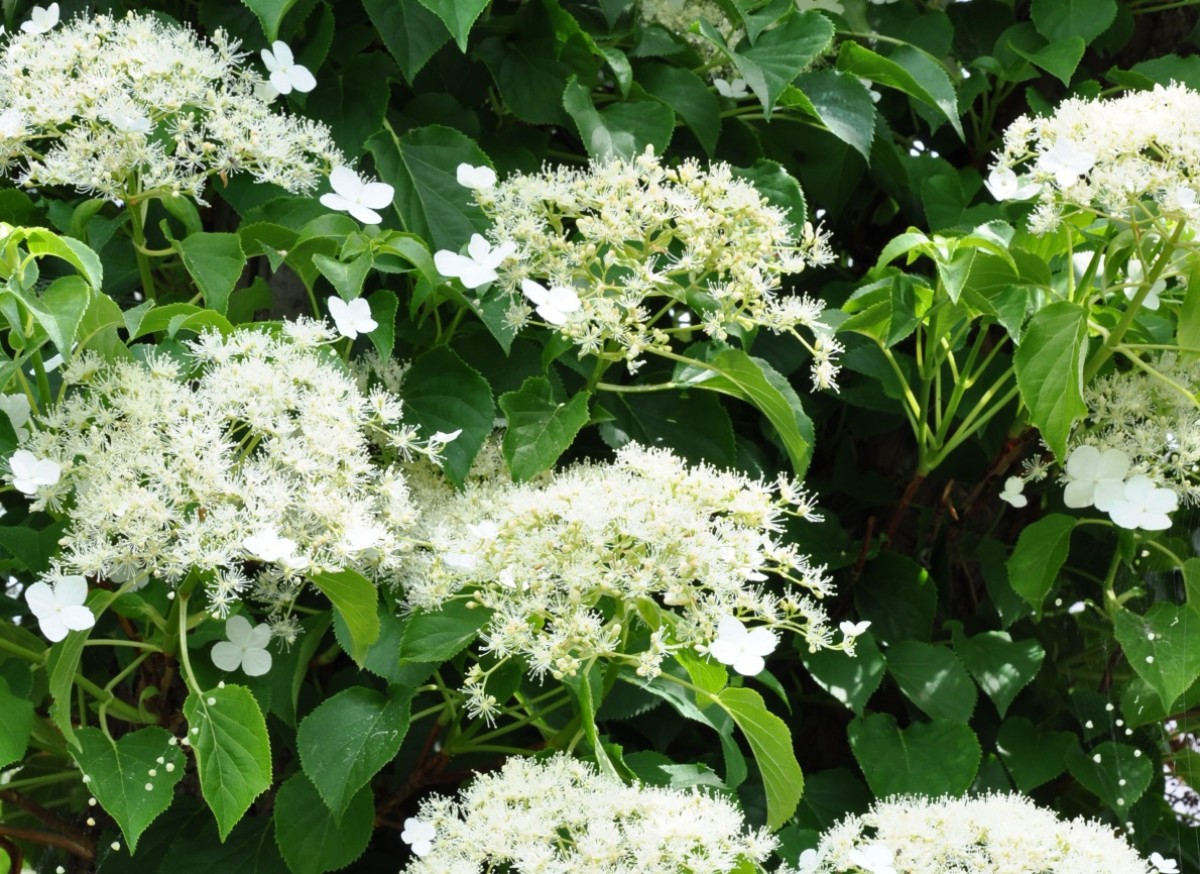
x=741, y=648
x=286, y=74
x=59, y=608
x=1095, y=478
x=246, y=647
x=351, y=194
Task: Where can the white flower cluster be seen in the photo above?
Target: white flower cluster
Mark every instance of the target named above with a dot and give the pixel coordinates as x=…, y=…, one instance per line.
x=1111, y=155
x=678, y=16
x=559, y=816
x=251, y=462
x=622, y=255
x=987, y=834
x=121, y=107
x=627, y=561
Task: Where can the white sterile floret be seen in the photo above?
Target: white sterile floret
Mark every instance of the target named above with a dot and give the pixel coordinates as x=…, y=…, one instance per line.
x=735, y=89
x=1144, y=505
x=476, y=178
x=854, y=629
x=1012, y=492
x=59, y=607
x=18, y=410
x=478, y=266
x=562, y=816
x=1095, y=478
x=286, y=74
x=981, y=834
x=554, y=304
x=1066, y=162
x=741, y=648
x=561, y=561
x=248, y=459
x=246, y=647
x=359, y=198
x=1164, y=865
x=419, y=835
x=29, y=473
x=1004, y=184
x=352, y=317
x=138, y=107
x=12, y=123
x=638, y=243
x=41, y=20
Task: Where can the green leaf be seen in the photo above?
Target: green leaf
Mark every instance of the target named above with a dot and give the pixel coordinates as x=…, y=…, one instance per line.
x=934, y=679
x=718, y=720
x=898, y=597
x=771, y=743
x=927, y=758
x=457, y=15
x=59, y=309
x=216, y=262
x=411, y=32
x=539, y=430
x=270, y=13
x=1039, y=554
x=733, y=372
x=1117, y=773
x=422, y=164
x=781, y=54
x=233, y=752
x=130, y=778
x=1059, y=59
x=16, y=726
x=1001, y=666
x=1049, y=365
x=909, y=70
x=439, y=636
x=443, y=393
x=347, y=739
x=62, y=664
x=354, y=597
x=530, y=75
x=620, y=130
x=1160, y=648
x=310, y=838
x=852, y=680
x=194, y=848
x=779, y=187
x=384, y=305
x=346, y=277
x=696, y=427
x=1032, y=756
x=40, y=241
x=1063, y=19
x=843, y=104
x=689, y=96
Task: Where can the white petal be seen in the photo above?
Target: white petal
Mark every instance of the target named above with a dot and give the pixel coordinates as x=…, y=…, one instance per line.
x=1106, y=493
x=500, y=254
x=450, y=263
x=256, y=662
x=77, y=618
x=53, y=627
x=41, y=600
x=476, y=275
x=1126, y=514
x=535, y=291
x=302, y=80
x=1079, y=494
x=237, y=629
x=345, y=182
x=478, y=248
x=551, y=315
x=564, y=299
x=761, y=642
x=71, y=590
x=283, y=54
x=1083, y=462
x=281, y=82
x=259, y=636
x=227, y=656
x=364, y=215
x=724, y=651
x=338, y=308
x=377, y=195
x=269, y=61
x=1112, y=464
x=749, y=665
x=730, y=628
x=336, y=201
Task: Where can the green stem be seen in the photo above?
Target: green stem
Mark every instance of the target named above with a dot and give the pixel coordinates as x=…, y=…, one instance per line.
x=140, y=250
x=18, y=650
x=636, y=389
x=1109, y=346
x=43, y=382
x=116, y=706
x=184, y=658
